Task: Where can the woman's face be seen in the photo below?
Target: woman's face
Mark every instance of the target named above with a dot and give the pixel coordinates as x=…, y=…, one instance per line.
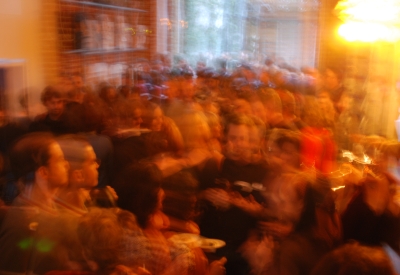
x=157, y=120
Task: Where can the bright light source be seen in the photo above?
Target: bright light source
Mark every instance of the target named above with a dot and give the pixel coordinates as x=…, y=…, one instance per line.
x=369, y=20
x=368, y=32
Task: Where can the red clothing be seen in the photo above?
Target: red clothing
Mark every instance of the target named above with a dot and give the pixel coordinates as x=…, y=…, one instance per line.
x=318, y=149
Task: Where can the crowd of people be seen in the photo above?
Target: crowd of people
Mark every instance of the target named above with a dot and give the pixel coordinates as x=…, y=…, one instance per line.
x=125, y=180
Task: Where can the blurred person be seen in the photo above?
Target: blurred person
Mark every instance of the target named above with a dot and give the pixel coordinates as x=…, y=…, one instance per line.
x=28, y=232
x=239, y=178
x=328, y=110
x=171, y=92
x=38, y=162
x=112, y=243
x=109, y=104
x=332, y=82
x=73, y=200
x=318, y=145
x=273, y=108
x=131, y=145
x=348, y=122
x=216, y=135
x=125, y=89
x=241, y=105
x=355, y=259
x=9, y=133
x=258, y=109
x=288, y=108
x=373, y=217
x=184, y=102
x=83, y=174
x=165, y=136
x=139, y=188
x=317, y=232
x=180, y=202
x=56, y=119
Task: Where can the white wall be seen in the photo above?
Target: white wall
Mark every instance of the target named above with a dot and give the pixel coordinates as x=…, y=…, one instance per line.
x=20, y=38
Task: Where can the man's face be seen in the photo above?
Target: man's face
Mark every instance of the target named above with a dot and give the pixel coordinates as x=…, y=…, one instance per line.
x=242, y=106
x=57, y=167
x=137, y=118
x=157, y=121
x=55, y=106
x=238, y=142
x=259, y=111
x=89, y=169
x=331, y=80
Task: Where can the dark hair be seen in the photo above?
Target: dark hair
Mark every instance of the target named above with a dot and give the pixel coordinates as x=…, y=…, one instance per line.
x=29, y=153
x=237, y=120
x=74, y=149
x=149, y=109
x=104, y=88
x=180, y=195
x=286, y=136
x=137, y=188
x=100, y=236
x=50, y=92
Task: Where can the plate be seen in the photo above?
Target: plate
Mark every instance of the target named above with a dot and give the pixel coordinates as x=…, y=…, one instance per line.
x=191, y=240
x=210, y=245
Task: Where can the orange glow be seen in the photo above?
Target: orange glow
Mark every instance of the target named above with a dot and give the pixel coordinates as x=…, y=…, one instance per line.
x=368, y=32
x=369, y=20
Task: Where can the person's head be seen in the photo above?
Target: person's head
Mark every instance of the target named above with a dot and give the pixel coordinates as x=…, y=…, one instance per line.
x=312, y=114
x=257, y=136
x=124, y=91
x=332, y=79
x=101, y=234
x=354, y=259
x=284, y=149
x=187, y=89
x=242, y=106
x=237, y=136
x=258, y=108
x=180, y=195
x=194, y=129
x=108, y=93
x=137, y=119
x=154, y=117
x=77, y=81
x=288, y=105
x=82, y=161
x=272, y=105
x=214, y=122
x=53, y=100
x=38, y=157
x=139, y=190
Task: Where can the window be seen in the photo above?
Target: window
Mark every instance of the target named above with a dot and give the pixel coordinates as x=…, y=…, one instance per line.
x=253, y=29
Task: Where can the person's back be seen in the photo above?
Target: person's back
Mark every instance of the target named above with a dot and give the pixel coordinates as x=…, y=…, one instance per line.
x=354, y=259
x=28, y=232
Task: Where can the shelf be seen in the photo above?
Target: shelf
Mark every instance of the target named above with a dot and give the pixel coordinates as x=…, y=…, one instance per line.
x=92, y=4
x=93, y=52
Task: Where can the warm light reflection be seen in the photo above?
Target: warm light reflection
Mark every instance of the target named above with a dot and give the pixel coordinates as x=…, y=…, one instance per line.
x=337, y=188
x=369, y=20
x=368, y=32
x=383, y=11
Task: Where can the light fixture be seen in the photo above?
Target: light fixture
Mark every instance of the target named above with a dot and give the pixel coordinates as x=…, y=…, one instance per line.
x=369, y=20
